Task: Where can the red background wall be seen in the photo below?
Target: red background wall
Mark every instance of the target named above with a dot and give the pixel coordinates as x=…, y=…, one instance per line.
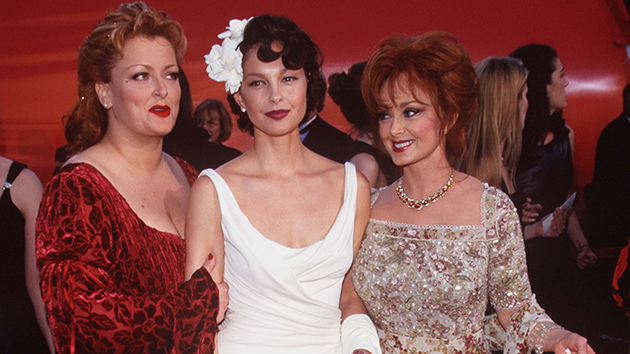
x=40, y=39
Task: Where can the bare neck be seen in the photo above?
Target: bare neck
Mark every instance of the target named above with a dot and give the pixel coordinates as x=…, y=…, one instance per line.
x=281, y=155
x=142, y=156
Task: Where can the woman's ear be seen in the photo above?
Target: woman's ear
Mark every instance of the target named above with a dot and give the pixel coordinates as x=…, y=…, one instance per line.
x=239, y=99
x=103, y=92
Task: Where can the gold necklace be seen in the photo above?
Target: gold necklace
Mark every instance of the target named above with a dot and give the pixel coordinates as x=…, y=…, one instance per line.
x=422, y=203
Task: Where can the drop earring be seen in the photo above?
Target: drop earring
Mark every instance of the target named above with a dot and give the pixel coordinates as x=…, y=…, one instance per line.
x=243, y=109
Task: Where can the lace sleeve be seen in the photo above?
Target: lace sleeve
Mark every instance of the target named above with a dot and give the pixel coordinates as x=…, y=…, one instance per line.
x=508, y=282
x=509, y=287
x=87, y=310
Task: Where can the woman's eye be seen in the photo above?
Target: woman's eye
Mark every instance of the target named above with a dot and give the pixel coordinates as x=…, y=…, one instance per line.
x=140, y=76
x=410, y=112
x=172, y=76
x=289, y=79
x=384, y=116
x=256, y=83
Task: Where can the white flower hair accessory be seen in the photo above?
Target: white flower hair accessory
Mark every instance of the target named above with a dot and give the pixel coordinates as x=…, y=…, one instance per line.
x=225, y=60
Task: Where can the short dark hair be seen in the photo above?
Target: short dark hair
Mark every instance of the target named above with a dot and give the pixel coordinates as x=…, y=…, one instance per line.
x=345, y=91
x=436, y=63
x=298, y=52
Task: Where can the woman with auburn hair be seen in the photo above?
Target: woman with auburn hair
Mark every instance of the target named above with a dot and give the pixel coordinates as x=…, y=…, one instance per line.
x=427, y=267
x=110, y=230
x=284, y=222
x=494, y=136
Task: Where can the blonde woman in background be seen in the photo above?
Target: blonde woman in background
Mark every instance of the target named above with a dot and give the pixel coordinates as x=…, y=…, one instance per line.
x=495, y=136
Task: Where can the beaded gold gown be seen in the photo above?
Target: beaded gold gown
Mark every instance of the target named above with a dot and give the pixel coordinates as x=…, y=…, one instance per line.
x=427, y=287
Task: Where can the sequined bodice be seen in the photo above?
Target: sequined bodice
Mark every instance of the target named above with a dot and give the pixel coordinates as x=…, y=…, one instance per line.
x=433, y=281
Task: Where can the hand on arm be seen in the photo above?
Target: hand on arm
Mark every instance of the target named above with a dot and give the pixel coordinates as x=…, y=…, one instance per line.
x=78, y=248
x=204, y=236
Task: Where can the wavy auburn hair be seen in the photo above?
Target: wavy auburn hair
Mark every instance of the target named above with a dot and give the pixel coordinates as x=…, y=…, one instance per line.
x=98, y=54
x=435, y=63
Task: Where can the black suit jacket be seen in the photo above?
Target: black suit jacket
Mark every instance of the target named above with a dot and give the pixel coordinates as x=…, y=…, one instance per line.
x=608, y=195
x=329, y=141
x=198, y=151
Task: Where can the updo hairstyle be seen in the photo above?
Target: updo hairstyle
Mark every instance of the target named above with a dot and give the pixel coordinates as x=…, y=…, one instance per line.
x=435, y=63
x=298, y=52
x=345, y=91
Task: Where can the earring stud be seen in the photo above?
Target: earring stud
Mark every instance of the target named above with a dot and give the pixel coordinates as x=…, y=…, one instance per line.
x=243, y=109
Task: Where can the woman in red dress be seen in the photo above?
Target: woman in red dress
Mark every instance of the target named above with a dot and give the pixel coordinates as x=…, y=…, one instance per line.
x=110, y=231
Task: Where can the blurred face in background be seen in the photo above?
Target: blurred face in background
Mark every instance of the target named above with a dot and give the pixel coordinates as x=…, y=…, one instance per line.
x=523, y=104
x=557, y=88
x=212, y=124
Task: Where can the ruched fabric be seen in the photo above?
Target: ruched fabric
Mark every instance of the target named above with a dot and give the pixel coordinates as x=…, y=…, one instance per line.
x=283, y=300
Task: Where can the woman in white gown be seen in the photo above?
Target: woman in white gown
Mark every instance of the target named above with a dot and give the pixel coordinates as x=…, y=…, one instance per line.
x=284, y=222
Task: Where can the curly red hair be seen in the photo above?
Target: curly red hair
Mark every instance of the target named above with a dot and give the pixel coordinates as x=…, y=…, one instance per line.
x=435, y=63
x=87, y=123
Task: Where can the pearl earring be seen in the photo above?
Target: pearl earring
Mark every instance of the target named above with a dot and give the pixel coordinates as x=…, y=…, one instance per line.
x=445, y=130
x=243, y=109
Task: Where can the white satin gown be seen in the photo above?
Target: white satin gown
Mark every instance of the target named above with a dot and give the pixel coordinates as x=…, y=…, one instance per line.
x=283, y=300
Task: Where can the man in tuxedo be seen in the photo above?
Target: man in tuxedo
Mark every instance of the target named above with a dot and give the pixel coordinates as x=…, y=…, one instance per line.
x=321, y=137
x=608, y=195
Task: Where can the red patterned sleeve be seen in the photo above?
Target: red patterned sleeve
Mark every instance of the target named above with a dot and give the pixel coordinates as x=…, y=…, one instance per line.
x=87, y=310
x=621, y=281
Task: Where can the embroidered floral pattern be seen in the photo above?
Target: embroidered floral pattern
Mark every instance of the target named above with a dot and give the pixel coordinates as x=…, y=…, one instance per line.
x=427, y=287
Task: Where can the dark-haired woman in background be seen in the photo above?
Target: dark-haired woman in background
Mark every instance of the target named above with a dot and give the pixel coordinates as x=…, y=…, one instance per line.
x=284, y=222
x=190, y=142
x=545, y=175
x=427, y=267
x=345, y=91
x=110, y=230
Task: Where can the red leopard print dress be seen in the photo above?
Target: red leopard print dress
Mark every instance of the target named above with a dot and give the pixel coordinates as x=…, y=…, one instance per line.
x=111, y=283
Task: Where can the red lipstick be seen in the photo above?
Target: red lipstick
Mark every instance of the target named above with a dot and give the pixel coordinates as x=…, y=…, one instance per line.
x=277, y=114
x=400, y=146
x=160, y=111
